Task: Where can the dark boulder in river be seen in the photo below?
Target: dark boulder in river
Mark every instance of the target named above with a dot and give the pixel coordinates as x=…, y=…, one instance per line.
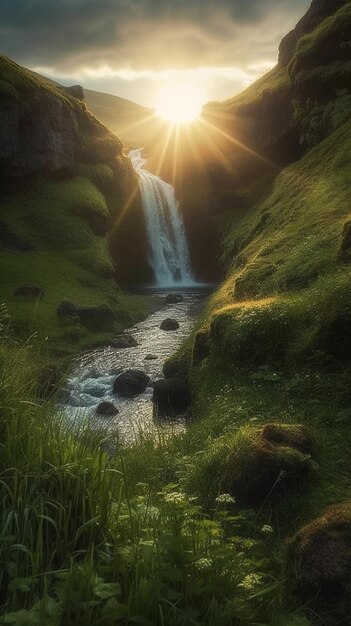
x=124, y=341
x=171, y=397
x=169, y=324
x=107, y=409
x=174, y=298
x=131, y=383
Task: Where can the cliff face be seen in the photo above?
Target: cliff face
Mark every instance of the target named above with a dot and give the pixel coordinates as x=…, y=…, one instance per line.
x=70, y=214
x=44, y=129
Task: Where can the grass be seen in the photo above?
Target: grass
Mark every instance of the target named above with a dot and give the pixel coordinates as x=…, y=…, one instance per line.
x=92, y=539
x=67, y=260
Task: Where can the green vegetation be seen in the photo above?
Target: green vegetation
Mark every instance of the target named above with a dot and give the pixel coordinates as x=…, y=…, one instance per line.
x=17, y=82
x=92, y=539
x=191, y=528
x=57, y=219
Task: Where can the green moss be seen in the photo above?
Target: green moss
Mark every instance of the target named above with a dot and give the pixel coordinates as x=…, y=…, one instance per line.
x=328, y=42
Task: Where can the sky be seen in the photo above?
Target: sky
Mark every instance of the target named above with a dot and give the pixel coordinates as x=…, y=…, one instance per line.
x=138, y=49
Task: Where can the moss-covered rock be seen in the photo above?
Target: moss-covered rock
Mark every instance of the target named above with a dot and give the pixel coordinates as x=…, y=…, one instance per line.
x=267, y=461
x=321, y=552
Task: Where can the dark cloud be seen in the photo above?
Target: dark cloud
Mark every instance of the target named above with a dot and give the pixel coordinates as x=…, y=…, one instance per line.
x=142, y=34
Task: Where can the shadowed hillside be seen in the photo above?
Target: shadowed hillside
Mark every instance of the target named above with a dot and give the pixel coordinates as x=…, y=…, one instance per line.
x=70, y=214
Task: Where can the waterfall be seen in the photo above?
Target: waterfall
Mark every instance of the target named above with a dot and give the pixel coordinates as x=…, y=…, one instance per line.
x=168, y=248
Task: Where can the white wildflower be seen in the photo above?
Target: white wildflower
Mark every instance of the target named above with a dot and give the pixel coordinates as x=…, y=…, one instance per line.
x=203, y=564
x=266, y=529
x=251, y=581
x=175, y=497
x=225, y=498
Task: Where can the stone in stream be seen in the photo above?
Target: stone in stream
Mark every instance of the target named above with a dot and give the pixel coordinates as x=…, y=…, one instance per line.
x=171, y=397
x=124, y=341
x=174, y=298
x=151, y=357
x=169, y=324
x=107, y=409
x=131, y=383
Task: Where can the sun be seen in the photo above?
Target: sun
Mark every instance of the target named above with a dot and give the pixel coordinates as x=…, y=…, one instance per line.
x=180, y=104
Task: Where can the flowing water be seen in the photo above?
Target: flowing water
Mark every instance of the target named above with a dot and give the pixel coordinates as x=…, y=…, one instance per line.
x=168, y=248
x=93, y=376
x=91, y=381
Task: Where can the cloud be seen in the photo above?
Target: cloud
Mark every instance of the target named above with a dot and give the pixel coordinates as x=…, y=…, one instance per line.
x=139, y=34
x=131, y=47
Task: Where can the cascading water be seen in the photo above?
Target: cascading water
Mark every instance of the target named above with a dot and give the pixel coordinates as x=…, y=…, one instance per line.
x=168, y=248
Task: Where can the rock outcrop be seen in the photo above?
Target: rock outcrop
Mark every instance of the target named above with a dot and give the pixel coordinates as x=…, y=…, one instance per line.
x=44, y=129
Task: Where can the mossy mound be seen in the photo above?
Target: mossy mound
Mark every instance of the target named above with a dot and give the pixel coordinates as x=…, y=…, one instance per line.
x=321, y=552
x=266, y=461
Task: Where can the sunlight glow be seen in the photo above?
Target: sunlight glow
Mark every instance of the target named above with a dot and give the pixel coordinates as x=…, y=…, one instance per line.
x=180, y=104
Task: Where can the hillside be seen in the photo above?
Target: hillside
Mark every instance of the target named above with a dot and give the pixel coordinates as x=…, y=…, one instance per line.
x=274, y=343
x=65, y=183
x=136, y=125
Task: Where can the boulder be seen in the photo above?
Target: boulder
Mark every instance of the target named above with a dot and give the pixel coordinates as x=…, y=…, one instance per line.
x=95, y=317
x=321, y=552
x=107, y=409
x=169, y=324
x=100, y=314
x=66, y=309
x=29, y=292
x=131, y=383
x=268, y=461
x=171, y=397
x=174, y=298
x=124, y=341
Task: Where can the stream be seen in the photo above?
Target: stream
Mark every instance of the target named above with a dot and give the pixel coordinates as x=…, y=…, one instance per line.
x=91, y=380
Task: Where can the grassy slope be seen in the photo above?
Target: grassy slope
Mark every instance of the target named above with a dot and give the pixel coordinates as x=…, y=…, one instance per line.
x=279, y=325
x=67, y=260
